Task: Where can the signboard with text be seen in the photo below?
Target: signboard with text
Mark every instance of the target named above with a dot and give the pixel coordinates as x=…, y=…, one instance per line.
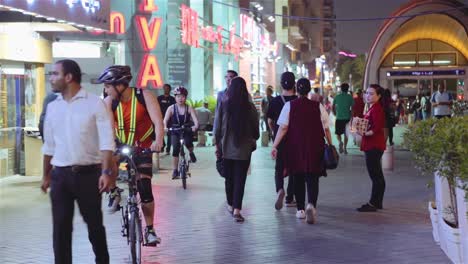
x=426, y=73
x=193, y=32
x=94, y=13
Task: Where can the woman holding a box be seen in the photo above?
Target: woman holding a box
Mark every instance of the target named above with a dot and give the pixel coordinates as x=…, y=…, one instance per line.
x=373, y=145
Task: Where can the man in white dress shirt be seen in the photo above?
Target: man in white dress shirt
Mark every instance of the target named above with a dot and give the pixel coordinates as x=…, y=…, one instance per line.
x=442, y=102
x=78, y=148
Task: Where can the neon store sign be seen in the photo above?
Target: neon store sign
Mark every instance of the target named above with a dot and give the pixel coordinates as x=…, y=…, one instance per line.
x=252, y=34
x=148, y=32
x=192, y=32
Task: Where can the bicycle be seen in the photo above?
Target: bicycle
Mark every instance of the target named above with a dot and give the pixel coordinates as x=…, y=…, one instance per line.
x=131, y=218
x=184, y=165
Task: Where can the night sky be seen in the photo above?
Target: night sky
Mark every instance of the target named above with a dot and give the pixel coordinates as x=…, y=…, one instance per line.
x=358, y=36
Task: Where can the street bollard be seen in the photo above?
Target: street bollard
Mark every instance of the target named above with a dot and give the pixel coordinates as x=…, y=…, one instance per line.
x=265, y=138
x=157, y=164
x=201, y=139
x=388, y=159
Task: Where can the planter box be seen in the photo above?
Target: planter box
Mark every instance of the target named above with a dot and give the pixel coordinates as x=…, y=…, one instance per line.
x=462, y=206
x=453, y=241
x=435, y=222
x=450, y=241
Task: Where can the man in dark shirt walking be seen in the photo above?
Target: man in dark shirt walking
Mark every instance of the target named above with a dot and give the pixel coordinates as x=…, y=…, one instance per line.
x=165, y=101
x=288, y=81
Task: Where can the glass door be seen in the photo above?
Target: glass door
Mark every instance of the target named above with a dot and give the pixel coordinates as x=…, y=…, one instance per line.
x=12, y=121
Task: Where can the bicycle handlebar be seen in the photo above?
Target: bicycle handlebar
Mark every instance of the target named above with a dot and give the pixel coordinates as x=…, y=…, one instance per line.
x=127, y=150
x=185, y=128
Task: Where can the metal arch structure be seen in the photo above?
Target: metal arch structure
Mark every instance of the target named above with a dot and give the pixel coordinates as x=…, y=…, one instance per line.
x=396, y=32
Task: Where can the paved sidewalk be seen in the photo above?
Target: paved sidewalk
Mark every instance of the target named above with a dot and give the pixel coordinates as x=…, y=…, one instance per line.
x=196, y=227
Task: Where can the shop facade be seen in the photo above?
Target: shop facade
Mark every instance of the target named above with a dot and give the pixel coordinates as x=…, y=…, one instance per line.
x=179, y=42
x=414, y=55
x=26, y=38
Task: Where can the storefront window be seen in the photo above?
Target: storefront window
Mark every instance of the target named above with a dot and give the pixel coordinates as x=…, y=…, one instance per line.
x=11, y=121
x=30, y=96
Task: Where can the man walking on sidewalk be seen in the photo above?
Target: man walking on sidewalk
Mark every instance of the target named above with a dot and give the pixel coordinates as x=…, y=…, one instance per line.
x=342, y=105
x=78, y=146
x=288, y=81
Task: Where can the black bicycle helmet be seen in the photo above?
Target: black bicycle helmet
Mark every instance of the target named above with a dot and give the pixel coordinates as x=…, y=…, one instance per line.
x=116, y=74
x=181, y=90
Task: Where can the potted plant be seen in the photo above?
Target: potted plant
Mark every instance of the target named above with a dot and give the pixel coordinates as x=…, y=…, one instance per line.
x=440, y=148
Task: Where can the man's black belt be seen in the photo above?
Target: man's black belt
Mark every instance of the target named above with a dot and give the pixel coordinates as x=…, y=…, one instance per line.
x=81, y=168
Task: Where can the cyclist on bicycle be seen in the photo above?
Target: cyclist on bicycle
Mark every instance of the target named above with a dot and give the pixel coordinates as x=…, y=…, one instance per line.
x=138, y=121
x=177, y=116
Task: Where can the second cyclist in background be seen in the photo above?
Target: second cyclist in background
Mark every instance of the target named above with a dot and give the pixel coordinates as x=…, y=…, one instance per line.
x=177, y=116
x=138, y=121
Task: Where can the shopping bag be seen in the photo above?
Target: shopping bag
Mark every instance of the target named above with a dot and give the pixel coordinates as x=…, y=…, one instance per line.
x=330, y=157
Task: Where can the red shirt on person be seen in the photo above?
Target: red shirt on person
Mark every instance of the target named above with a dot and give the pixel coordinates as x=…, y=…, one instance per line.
x=376, y=117
x=142, y=125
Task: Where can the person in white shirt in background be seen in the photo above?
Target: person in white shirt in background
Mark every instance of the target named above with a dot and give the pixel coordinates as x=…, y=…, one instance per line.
x=442, y=102
x=204, y=116
x=78, y=148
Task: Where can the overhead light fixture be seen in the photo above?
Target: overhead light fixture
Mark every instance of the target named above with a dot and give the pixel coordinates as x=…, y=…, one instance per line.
x=442, y=62
x=28, y=13
x=404, y=62
x=260, y=8
x=271, y=18
x=50, y=19
x=425, y=62
x=257, y=5
x=291, y=47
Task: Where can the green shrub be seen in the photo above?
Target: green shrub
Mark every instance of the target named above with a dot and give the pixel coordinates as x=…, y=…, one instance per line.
x=441, y=146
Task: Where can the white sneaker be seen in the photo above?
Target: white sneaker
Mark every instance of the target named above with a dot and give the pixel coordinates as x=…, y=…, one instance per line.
x=311, y=214
x=300, y=214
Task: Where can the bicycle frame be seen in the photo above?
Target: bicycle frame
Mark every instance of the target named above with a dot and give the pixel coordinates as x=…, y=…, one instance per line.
x=183, y=165
x=131, y=219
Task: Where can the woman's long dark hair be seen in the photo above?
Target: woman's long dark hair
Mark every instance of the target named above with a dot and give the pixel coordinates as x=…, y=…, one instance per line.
x=238, y=108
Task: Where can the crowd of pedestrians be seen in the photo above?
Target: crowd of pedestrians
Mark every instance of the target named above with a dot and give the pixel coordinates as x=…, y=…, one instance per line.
x=297, y=120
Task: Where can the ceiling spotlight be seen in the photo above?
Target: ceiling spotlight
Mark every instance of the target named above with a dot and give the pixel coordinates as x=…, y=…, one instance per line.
x=260, y=8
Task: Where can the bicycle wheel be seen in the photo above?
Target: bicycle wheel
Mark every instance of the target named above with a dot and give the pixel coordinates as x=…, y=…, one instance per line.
x=136, y=238
x=124, y=222
x=183, y=176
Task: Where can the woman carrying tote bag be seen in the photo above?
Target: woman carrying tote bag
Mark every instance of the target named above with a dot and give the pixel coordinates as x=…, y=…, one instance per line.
x=304, y=127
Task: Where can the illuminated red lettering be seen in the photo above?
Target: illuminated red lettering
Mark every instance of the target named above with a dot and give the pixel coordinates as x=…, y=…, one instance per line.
x=117, y=23
x=149, y=72
x=148, y=6
x=219, y=37
x=149, y=34
x=189, y=25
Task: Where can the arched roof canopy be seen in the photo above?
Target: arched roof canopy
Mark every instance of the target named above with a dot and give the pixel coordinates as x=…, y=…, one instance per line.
x=450, y=28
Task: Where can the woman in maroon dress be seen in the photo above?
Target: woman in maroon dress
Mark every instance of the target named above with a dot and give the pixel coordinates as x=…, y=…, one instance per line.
x=304, y=125
x=373, y=145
